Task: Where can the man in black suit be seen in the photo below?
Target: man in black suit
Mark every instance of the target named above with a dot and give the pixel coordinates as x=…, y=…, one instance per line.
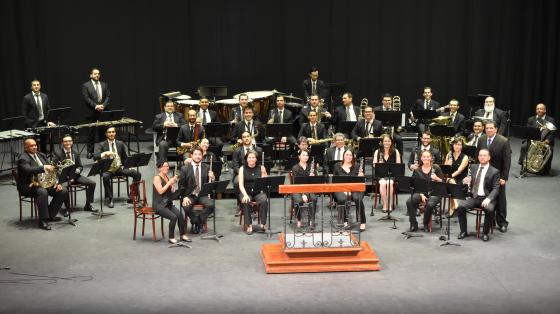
x=248, y=124
x=368, y=126
x=313, y=130
x=281, y=115
x=313, y=85
x=162, y=121
x=323, y=114
x=500, y=153
x=113, y=148
x=347, y=112
x=540, y=120
x=32, y=164
x=457, y=119
x=67, y=151
x=188, y=133
x=239, y=153
x=236, y=114
x=35, y=109
x=96, y=97
x=192, y=177
x=485, y=186
x=490, y=112
x=425, y=144
x=478, y=131
x=206, y=115
x=427, y=103
x=335, y=153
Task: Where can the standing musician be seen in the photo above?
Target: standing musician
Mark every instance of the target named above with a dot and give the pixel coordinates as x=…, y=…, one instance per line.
x=313, y=85
x=478, y=131
x=490, y=112
x=281, y=115
x=254, y=127
x=426, y=139
x=206, y=115
x=313, y=130
x=193, y=177
x=67, y=151
x=347, y=112
x=427, y=103
x=247, y=175
x=236, y=114
x=322, y=113
x=387, y=105
x=190, y=133
x=387, y=153
x=116, y=150
x=430, y=172
x=368, y=126
x=348, y=167
x=35, y=109
x=484, y=185
x=32, y=164
x=241, y=152
x=162, y=121
x=542, y=121
x=457, y=119
x=162, y=201
x=336, y=153
x=304, y=168
x=96, y=97
x=500, y=153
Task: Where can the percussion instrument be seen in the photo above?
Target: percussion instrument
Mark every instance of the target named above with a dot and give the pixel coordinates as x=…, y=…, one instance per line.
x=183, y=106
x=225, y=106
x=261, y=100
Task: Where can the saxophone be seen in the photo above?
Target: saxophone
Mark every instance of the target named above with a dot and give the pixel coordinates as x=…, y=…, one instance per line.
x=182, y=150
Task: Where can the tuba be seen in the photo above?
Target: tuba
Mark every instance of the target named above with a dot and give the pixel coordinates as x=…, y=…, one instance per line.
x=537, y=156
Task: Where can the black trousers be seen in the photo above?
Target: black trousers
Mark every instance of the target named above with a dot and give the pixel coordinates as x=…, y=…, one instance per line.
x=90, y=189
x=41, y=196
x=262, y=204
x=412, y=206
x=135, y=175
x=163, y=147
x=501, y=209
x=195, y=217
x=469, y=203
x=358, y=197
x=312, y=203
x=175, y=216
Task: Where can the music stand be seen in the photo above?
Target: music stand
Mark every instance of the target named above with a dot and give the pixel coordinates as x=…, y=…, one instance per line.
x=414, y=186
x=269, y=184
x=335, y=89
x=11, y=124
x=346, y=127
x=527, y=133
x=291, y=162
x=213, y=188
x=367, y=146
x=470, y=151
x=446, y=170
x=137, y=160
x=317, y=152
x=389, y=118
x=448, y=191
x=310, y=180
x=98, y=168
x=424, y=115
x=330, y=166
x=59, y=114
x=214, y=129
x=68, y=174
x=389, y=171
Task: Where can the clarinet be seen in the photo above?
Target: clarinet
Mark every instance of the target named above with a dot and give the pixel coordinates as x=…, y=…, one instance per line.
x=312, y=167
x=361, y=166
x=210, y=179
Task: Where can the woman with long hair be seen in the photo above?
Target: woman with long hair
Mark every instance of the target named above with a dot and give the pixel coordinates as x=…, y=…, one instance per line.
x=386, y=154
x=348, y=167
x=247, y=175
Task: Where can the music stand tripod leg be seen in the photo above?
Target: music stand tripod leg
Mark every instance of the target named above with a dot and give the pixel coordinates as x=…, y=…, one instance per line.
x=214, y=236
x=269, y=231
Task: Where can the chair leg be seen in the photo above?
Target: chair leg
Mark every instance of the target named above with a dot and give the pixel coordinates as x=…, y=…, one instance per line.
x=162, y=233
x=153, y=228
x=20, y=210
x=135, y=223
x=143, y=223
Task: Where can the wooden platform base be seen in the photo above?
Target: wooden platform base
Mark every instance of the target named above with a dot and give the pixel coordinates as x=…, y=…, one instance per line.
x=279, y=261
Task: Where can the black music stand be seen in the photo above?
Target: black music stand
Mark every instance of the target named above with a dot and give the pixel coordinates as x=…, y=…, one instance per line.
x=13, y=123
x=389, y=171
x=346, y=127
x=214, y=129
x=137, y=160
x=310, y=180
x=424, y=115
x=448, y=191
x=59, y=114
x=330, y=166
x=367, y=146
x=178, y=195
x=446, y=170
x=102, y=165
x=470, y=151
x=317, y=152
x=68, y=174
x=389, y=118
x=414, y=185
x=527, y=133
x=279, y=130
x=213, y=188
x=111, y=115
x=291, y=162
x=269, y=184
x=335, y=89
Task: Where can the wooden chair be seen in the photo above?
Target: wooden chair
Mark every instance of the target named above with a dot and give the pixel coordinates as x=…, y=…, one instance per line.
x=142, y=211
x=254, y=210
x=118, y=180
x=479, y=213
x=73, y=190
x=377, y=195
x=26, y=199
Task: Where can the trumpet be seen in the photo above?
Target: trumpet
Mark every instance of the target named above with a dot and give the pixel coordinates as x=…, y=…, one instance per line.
x=363, y=104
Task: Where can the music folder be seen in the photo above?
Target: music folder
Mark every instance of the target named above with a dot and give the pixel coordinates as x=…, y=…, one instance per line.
x=348, y=179
x=310, y=180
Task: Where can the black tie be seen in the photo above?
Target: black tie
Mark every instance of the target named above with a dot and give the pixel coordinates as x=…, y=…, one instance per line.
x=68, y=156
x=476, y=182
x=192, y=132
x=98, y=92
x=204, y=116
x=426, y=104
x=314, y=132
x=249, y=128
x=197, y=178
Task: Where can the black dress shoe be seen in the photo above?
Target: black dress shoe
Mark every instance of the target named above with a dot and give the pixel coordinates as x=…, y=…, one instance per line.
x=89, y=155
x=485, y=237
x=55, y=219
x=89, y=208
x=426, y=229
x=65, y=212
x=413, y=227
x=44, y=225
x=462, y=235
x=503, y=229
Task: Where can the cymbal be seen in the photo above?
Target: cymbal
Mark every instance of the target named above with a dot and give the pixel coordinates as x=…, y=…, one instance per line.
x=277, y=92
x=292, y=97
x=481, y=118
x=294, y=105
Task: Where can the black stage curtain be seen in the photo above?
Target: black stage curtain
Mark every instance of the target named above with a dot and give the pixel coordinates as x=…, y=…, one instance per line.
x=509, y=49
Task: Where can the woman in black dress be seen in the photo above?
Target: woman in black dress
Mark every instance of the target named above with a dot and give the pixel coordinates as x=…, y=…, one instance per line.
x=304, y=169
x=162, y=202
x=348, y=167
x=386, y=154
x=459, y=162
x=247, y=175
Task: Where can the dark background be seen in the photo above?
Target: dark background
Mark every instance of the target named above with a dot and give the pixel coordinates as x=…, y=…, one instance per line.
x=508, y=49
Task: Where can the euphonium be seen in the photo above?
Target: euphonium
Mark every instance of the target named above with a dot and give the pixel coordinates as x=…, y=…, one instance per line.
x=537, y=156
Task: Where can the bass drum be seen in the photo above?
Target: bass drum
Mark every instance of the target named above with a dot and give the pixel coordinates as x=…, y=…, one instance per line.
x=183, y=106
x=262, y=102
x=225, y=106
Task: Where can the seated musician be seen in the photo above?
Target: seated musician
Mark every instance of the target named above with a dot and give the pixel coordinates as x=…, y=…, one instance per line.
x=386, y=154
x=478, y=131
x=484, y=183
x=430, y=172
x=322, y=113
x=490, y=112
x=426, y=103
x=206, y=115
x=67, y=151
x=207, y=155
x=368, y=126
x=457, y=159
x=336, y=152
x=190, y=133
x=193, y=177
x=313, y=130
x=32, y=165
x=541, y=120
x=347, y=112
x=457, y=119
x=115, y=150
x=240, y=152
x=281, y=115
x=248, y=124
x=302, y=144
x=162, y=121
x=162, y=203
x=236, y=114
x=426, y=139
x=35, y=109
x=304, y=168
x=348, y=167
x=247, y=175
x=387, y=105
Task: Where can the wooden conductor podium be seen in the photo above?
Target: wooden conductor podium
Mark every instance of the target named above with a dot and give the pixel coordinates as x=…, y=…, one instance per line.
x=326, y=256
